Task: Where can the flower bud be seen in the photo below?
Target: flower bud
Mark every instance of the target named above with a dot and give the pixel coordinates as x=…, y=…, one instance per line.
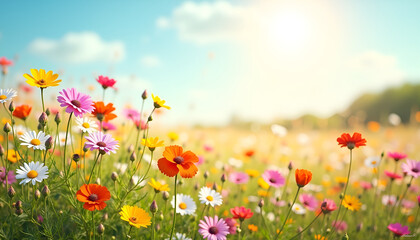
x=11, y=107
x=345, y=237
x=98, y=181
x=48, y=112
x=85, y=149
x=101, y=229
x=150, y=118
x=223, y=178
x=105, y=216
x=114, y=176
x=57, y=118
x=133, y=156
x=359, y=227
x=49, y=143
x=45, y=191
x=75, y=157
x=196, y=186
x=214, y=187
x=39, y=127
x=19, y=211
x=206, y=174
x=161, y=217
x=261, y=203
x=1, y=151
x=144, y=95
x=130, y=148
x=11, y=191
x=18, y=204
x=290, y=166
x=43, y=119
x=40, y=219
x=341, y=195
x=37, y=194
x=153, y=207
x=157, y=227
x=7, y=128
x=165, y=195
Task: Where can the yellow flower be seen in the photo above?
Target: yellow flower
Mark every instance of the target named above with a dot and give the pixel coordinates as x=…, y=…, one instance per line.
x=352, y=203
x=320, y=237
x=263, y=184
x=252, y=227
x=263, y=193
x=252, y=172
x=135, y=216
x=173, y=136
x=41, y=79
x=12, y=156
x=152, y=143
x=158, y=103
x=341, y=180
x=158, y=186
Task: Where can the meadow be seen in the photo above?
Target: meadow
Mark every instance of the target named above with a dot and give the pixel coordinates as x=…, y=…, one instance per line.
x=85, y=171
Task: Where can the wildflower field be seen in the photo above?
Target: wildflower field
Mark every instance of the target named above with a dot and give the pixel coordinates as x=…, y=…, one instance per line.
x=75, y=168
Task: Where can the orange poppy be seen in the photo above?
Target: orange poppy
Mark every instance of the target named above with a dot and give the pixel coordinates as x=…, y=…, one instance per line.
x=94, y=196
x=176, y=161
x=22, y=111
x=303, y=177
x=102, y=112
x=345, y=140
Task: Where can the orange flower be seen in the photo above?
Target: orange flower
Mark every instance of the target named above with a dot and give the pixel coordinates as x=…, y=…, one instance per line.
x=94, y=196
x=22, y=111
x=175, y=160
x=350, y=142
x=303, y=177
x=103, y=112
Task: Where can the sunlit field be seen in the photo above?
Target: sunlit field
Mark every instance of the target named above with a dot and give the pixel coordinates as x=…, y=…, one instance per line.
x=75, y=168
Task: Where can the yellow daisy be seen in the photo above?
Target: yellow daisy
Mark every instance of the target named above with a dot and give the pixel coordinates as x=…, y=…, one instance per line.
x=252, y=172
x=41, y=79
x=158, y=103
x=159, y=187
x=135, y=216
x=352, y=203
x=152, y=143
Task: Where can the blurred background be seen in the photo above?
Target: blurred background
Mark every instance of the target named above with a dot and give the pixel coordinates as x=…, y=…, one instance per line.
x=311, y=64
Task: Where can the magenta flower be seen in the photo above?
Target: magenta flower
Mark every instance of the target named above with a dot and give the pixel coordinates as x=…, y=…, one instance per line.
x=277, y=202
x=398, y=229
x=308, y=201
x=392, y=175
x=75, y=102
x=213, y=228
x=239, y=177
x=103, y=142
x=232, y=225
x=11, y=178
x=397, y=156
x=328, y=206
x=273, y=178
x=365, y=185
x=340, y=225
x=106, y=81
x=107, y=126
x=140, y=123
x=418, y=200
x=408, y=204
x=131, y=114
x=412, y=168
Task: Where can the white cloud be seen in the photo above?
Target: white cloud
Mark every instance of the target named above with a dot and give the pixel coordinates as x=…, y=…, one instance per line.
x=150, y=61
x=80, y=47
x=162, y=23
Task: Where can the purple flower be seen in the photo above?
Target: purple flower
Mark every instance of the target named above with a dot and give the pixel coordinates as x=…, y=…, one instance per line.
x=103, y=142
x=411, y=167
x=397, y=156
x=213, y=228
x=273, y=178
x=11, y=178
x=75, y=102
x=308, y=201
x=398, y=229
x=238, y=177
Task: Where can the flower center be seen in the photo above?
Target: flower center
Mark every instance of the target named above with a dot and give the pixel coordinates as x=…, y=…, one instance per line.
x=272, y=180
x=101, y=144
x=373, y=162
x=182, y=206
x=32, y=174
x=178, y=160
x=85, y=125
x=93, y=197
x=415, y=170
x=213, y=230
x=76, y=103
x=210, y=198
x=297, y=208
x=35, y=142
x=2, y=97
x=41, y=82
x=351, y=145
x=133, y=219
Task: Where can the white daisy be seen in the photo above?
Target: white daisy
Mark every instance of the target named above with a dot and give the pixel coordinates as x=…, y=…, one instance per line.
x=179, y=236
x=20, y=130
x=62, y=139
x=185, y=205
x=87, y=125
x=372, y=162
x=34, y=171
x=122, y=167
x=34, y=140
x=298, y=209
x=7, y=94
x=210, y=196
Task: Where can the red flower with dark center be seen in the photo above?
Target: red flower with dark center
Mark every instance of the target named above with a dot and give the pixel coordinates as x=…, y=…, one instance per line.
x=94, y=196
x=241, y=213
x=351, y=141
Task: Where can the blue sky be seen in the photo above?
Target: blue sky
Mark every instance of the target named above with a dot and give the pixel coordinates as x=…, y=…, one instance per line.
x=212, y=59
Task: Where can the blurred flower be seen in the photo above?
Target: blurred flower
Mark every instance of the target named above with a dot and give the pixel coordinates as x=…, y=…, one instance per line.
x=328, y=206
x=103, y=142
x=176, y=161
x=249, y=153
x=351, y=141
x=12, y=155
x=235, y=162
x=4, y=63
x=238, y=177
x=213, y=228
x=262, y=183
x=392, y=175
x=412, y=168
x=135, y=216
x=232, y=225
x=373, y=161
x=41, y=79
x=173, y=136
x=22, y=111
x=278, y=130
x=339, y=225
x=210, y=197
x=131, y=114
x=397, y=156
x=87, y=125
x=7, y=94
x=122, y=167
x=108, y=126
x=273, y=178
x=140, y=123
x=298, y=209
x=11, y=178
x=398, y=229
x=185, y=204
x=179, y=236
x=152, y=143
x=241, y=213
x=34, y=171
x=374, y=126
x=158, y=103
x=365, y=185
x=408, y=204
x=62, y=138
x=352, y=203
x=308, y=201
x=94, y=196
x=394, y=119
x=34, y=140
x=303, y=177
x=75, y=102
x=102, y=112
x=106, y=81
x=159, y=187
x=252, y=173
x=252, y=227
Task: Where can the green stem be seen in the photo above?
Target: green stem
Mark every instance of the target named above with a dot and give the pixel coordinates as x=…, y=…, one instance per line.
x=307, y=226
x=42, y=99
x=288, y=213
x=65, y=145
x=93, y=225
x=174, y=219
x=93, y=167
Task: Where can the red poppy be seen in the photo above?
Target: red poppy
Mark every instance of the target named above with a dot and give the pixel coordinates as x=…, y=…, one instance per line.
x=175, y=160
x=392, y=175
x=22, y=111
x=94, y=196
x=351, y=141
x=303, y=177
x=106, y=81
x=241, y=213
x=102, y=112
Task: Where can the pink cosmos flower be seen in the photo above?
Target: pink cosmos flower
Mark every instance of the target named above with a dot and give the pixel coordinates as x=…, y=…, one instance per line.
x=241, y=213
x=308, y=201
x=208, y=148
x=213, y=228
x=239, y=177
x=11, y=178
x=328, y=206
x=408, y=204
x=131, y=114
x=365, y=185
x=103, y=142
x=273, y=178
x=389, y=200
x=392, y=175
x=398, y=229
x=75, y=102
x=106, y=81
x=277, y=202
x=107, y=126
x=397, y=156
x=232, y=225
x=140, y=123
x=412, y=168
x=200, y=160
x=340, y=225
